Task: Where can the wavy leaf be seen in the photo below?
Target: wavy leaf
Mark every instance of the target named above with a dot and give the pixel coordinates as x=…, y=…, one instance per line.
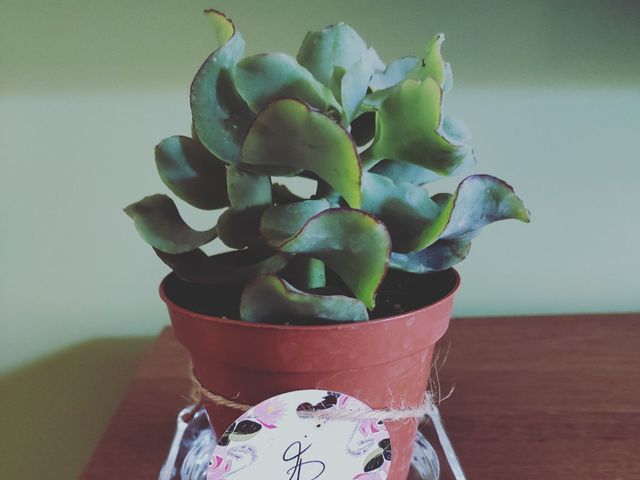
x=247, y=189
x=441, y=255
x=447, y=85
x=432, y=65
x=373, y=101
x=384, y=84
x=456, y=133
x=351, y=242
x=354, y=84
x=191, y=172
x=454, y=130
x=287, y=134
x=260, y=79
x=221, y=118
x=396, y=72
x=224, y=268
x=160, y=225
x=405, y=172
x=222, y=25
x=403, y=208
x=270, y=299
x=335, y=46
x=250, y=196
x=408, y=129
x=281, y=222
x=478, y=201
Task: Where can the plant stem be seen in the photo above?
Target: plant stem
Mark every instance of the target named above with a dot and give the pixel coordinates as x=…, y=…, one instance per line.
x=316, y=275
x=309, y=272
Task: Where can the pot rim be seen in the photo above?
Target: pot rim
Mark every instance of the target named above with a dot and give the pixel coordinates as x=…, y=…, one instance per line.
x=306, y=328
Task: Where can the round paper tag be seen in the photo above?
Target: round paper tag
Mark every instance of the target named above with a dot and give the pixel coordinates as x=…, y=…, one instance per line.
x=292, y=436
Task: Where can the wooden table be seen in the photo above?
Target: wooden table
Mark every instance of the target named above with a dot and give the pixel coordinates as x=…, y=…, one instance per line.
x=535, y=398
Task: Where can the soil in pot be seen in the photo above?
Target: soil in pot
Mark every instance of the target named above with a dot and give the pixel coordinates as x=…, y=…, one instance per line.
x=399, y=293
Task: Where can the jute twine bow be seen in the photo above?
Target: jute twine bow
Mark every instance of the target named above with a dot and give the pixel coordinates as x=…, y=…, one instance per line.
x=199, y=393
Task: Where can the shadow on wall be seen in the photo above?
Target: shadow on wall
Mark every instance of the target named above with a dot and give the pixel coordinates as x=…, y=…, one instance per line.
x=54, y=411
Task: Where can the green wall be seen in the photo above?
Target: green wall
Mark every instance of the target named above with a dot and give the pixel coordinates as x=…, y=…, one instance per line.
x=549, y=89
x=130, y=44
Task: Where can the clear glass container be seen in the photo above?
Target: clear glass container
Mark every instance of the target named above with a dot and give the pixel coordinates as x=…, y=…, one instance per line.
x=194, y=441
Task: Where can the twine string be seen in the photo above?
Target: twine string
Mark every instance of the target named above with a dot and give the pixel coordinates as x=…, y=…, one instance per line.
x=200, y=394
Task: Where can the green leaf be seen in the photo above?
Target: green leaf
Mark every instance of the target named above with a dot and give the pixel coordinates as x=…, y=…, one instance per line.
x=281, y=222
x=454, y=130
x=403, y=208
x=221, y=118
x=386, y=83
x=260, y=79
x=447, y=85
x=432, y=65
x=192, y=173
x=408, y=129
x=335, y=46
x=222, y=25
x=247, y=189
x=160, y=225
x=309, y=274
x=396, y=72
x=456, y=133
x=373, y=101
x=441, y=255
x=404, y=172
x=224, y=268
x=287, y=134
x=354, y=84
x=478, y=201
x=250, y=196
x=351, y=242
x=270, y=299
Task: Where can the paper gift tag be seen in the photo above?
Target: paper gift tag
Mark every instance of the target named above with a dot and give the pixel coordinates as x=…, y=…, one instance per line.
x=275, y=440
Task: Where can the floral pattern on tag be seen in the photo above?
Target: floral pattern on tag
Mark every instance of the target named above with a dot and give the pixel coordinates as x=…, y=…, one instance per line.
x=308, y=434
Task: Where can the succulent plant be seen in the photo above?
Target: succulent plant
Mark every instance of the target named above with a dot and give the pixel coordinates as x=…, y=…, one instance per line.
x=370, y=135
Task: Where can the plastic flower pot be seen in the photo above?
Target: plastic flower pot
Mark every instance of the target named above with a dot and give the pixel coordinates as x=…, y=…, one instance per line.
x=384, y=362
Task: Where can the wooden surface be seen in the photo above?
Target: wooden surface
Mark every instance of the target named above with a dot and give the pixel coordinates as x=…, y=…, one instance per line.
x=535, y=398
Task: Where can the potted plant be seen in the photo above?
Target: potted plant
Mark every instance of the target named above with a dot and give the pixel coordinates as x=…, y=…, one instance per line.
x=349, y=289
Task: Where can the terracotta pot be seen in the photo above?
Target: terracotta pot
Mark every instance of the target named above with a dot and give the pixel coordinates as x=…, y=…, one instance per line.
x=384, y=363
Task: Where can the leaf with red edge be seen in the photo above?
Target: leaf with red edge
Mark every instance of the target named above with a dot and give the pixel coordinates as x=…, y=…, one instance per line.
x=191, y=172
x=270, y=299
x=478, y=201
x=289, y=135
x=160, y=225
x=352, y=243
x=221, y=118
x=441, y=255
x=262, y=78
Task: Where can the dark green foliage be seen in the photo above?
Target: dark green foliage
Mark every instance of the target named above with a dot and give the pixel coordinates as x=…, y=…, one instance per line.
x=370, y=135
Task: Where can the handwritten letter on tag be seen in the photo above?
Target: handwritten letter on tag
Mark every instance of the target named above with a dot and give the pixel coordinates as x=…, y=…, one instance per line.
x=293, y=437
